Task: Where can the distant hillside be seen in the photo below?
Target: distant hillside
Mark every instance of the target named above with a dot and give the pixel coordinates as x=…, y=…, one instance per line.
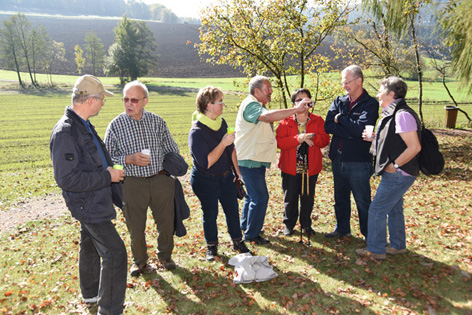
x=105, y=8
x=175, y=44
x=176, y=58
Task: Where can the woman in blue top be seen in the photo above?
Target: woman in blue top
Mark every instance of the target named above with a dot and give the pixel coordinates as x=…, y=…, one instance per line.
x=214, y=160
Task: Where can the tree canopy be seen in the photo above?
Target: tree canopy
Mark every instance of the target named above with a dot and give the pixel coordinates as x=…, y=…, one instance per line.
x=134, y=52
x=276, y=37
x=400, y=17
x=9, y=48
x=94, y=52
x=458, y=29
x=23, y=46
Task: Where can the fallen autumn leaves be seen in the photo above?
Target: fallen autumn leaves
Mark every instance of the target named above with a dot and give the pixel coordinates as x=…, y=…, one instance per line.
x=38, y=269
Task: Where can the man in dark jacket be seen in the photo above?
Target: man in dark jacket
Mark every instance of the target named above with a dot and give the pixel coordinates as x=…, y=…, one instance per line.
x=90, y=186
x=351, y=161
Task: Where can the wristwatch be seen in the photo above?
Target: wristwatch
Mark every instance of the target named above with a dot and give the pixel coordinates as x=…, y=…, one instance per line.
x=395, y=165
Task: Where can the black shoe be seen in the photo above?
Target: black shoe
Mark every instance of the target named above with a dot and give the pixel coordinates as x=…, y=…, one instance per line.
x=259, y=240
x=288, y=231
x=136, y=270
x=308, y=231
x=212, y=251
x=336, y=234
x=241, y=247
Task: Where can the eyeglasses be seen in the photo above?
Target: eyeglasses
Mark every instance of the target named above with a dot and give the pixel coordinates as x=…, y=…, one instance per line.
x=100, y=99
x=132, y=100
x=219, y=103
x=349, y=82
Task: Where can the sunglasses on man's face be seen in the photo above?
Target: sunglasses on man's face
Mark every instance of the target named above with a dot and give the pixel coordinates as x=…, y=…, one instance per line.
x=132, y=100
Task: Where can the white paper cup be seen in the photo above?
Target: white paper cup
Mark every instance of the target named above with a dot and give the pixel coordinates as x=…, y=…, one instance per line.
x=369, y=129
x=146, y=151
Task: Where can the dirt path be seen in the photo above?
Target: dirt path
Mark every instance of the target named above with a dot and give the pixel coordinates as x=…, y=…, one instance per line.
x=48, y=207
x=33, y=209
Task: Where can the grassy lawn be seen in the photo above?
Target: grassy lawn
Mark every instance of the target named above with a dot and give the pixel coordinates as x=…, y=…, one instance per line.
x=38, y=265
x=39, y=260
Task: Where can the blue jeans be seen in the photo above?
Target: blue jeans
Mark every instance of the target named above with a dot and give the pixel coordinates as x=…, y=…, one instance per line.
x=355, y=177
x=388, y=205
x=107, y=279
x=209, y=190
x=257, y=199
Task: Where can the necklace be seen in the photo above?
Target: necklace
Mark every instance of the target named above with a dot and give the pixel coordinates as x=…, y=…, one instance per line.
x=301, y=124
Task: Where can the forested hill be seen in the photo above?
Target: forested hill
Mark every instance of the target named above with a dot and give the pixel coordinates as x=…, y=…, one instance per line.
x=111, y=8
x=177, y=57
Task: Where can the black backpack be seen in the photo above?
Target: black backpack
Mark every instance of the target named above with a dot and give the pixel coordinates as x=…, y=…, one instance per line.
x=431, y=159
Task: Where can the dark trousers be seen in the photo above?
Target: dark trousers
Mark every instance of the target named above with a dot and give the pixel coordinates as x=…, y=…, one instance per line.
x=292, y=187
x=209, y=190
x=156, y=192
x=103, y=265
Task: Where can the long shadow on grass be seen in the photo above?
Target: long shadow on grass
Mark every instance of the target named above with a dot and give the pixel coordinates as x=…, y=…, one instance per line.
x=293, y=291
x=411, y=280
x=456, y=173
x=169, y=90
x=213, y=291
x=46, y=91
x=175, y=300
x=305, y=295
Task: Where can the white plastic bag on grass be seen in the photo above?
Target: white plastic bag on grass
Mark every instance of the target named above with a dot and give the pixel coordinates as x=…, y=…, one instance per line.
x=248, y=268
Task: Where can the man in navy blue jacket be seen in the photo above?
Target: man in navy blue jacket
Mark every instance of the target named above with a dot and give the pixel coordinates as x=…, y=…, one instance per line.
x=83, y=170
x=351, y=161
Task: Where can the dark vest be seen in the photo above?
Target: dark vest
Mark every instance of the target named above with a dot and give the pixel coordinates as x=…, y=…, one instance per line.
x=390, y=144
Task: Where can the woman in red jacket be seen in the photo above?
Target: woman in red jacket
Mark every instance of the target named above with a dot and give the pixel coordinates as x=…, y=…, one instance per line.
x=300, y=138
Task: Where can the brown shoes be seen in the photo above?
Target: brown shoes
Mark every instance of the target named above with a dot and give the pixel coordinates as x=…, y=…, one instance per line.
x=169, y=264
x=136, y=269
x=363, y=252
x=393, y=251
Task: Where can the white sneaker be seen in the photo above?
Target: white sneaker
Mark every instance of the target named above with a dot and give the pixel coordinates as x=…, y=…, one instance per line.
x=91, y=300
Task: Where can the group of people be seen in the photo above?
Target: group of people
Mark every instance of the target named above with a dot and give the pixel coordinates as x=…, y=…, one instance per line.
x=221, y=156
x=127, y=170
x=395, y=146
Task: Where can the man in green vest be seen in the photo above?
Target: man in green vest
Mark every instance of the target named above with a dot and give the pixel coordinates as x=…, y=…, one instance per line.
x=256, y=148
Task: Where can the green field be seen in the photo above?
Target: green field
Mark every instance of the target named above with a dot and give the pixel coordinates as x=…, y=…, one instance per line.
x=38, y=266
x=29, y=116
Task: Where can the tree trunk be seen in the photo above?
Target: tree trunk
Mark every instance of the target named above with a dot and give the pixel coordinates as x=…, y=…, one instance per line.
x=17, y=66
x=463, y=112
x=19, y=76
x=418, y=67
x=447, y=89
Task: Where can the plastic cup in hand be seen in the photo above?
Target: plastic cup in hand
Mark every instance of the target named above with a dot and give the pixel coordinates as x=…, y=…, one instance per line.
x=369, y=130
x=118, y=167
x=146, y=151
x=230, y=130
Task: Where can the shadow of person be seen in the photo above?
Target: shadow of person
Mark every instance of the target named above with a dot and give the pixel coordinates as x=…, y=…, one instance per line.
x=199, y=285
x=307, y=295
x=170, y=90
x=411, y=280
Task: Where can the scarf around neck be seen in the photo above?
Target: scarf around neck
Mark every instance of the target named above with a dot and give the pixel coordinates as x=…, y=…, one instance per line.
x=387, y=112
x=207, y=121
